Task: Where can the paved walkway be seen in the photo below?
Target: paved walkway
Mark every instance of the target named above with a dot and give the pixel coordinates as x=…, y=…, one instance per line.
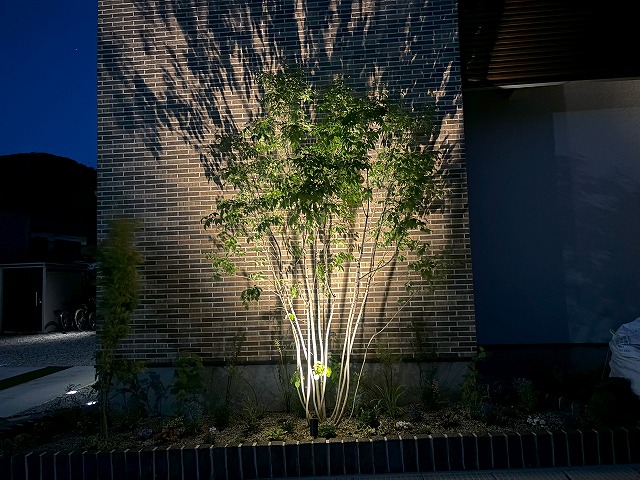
x=616, y=472
x=20, y=354
x=37, y=392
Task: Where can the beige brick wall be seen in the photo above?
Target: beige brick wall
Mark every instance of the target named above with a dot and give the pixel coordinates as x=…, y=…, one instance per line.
x=173, y=73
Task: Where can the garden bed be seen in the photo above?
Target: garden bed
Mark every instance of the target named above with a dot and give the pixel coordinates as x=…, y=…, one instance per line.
x=271, y=445
x=487, y=424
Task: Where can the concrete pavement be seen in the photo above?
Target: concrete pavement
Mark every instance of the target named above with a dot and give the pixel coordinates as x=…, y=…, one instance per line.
x=37, y=392
x=8, y=372
x=610, y=472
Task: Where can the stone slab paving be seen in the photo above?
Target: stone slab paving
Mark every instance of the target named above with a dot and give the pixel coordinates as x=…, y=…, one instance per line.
x=613, y=472
x=601, y=473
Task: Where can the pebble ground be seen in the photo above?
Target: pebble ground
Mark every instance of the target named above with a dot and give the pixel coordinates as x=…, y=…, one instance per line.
x=70, y=349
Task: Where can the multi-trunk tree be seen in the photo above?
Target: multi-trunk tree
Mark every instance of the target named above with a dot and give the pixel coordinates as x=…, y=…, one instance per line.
x=331, y=191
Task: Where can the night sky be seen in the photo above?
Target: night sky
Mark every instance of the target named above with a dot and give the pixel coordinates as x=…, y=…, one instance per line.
x=48, y=78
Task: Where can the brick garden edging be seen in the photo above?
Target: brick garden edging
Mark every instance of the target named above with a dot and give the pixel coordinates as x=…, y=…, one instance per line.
x=394, y=454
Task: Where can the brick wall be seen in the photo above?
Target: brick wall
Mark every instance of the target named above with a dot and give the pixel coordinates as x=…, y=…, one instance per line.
x=172, y=73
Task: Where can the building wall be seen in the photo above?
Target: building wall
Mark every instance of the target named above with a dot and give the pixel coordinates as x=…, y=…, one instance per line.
x=173, y=73
x=554, y=188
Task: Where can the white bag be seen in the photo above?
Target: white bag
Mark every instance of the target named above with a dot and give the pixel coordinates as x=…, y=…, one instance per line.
x=625, y=354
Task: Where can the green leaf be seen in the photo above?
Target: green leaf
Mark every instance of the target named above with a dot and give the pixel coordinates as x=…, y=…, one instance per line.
x=221, y=266
x=250, y=294
x=295, y=379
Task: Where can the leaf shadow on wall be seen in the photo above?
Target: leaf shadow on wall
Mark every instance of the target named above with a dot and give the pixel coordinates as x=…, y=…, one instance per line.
x=194, y=82
x=200, y=58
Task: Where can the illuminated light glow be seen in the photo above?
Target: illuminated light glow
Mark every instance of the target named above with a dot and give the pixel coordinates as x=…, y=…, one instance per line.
x=71, y=392
x=92, y=402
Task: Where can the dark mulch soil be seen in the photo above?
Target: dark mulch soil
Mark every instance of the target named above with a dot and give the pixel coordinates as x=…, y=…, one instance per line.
x=74, y=429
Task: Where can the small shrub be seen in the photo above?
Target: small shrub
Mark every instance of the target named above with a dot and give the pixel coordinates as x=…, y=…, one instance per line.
x=297, y=408
x=327, y=430
x=613, y=404
x=368, y=417
x=287, y=391
x=252, y=417
x=118, y=260
x=415, y=413
x=127, y=418
x=210, y=436
x=188, y=384
x=275, y=433
x=474, y=393
x=154, y=384
x=192, y=417
x=389, y=398
x=288, y=425
x=221, y=415
x=387, y=392
x=526, y=394
x=430, y=395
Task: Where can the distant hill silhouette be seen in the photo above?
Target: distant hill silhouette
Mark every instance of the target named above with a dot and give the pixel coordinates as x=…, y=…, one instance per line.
x=57, y=193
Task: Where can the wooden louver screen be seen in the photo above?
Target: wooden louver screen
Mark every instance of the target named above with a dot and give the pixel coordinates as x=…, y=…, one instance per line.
x=529, y=41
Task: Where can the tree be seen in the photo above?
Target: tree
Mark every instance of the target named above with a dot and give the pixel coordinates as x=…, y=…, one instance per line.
x=118, y=260
x=330, y=189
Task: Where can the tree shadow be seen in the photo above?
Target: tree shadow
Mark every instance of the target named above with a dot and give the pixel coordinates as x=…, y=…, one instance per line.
x=199, y=60
x=186, y=72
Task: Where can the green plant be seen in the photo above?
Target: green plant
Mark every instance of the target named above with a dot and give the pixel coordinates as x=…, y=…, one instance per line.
x=231, y=367
x=210, y=436
x=424, y=352
x=430, y=393
x=327, y=430
x=192, y=417
x=188, y=384
x=127, y=418
x=276, y=433
x=221, y=407
x=134, y=395
x=297, y=407
x=252, y=416
x=526, y=394
x=221, y=415
x=474, y=393
x=317, y=163
x=283, y=376
x=118, y=261
x=613, y=404
x=389, y=397
x=369, y=416
x=387, y=393
x=288, y=425
x=160, y=391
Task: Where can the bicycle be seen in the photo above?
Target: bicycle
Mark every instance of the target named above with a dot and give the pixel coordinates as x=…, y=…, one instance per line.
x=65, y=320
x=85, y=315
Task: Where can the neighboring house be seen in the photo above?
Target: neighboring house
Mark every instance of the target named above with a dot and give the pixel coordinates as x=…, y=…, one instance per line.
x=539, y=111
x=48, y=223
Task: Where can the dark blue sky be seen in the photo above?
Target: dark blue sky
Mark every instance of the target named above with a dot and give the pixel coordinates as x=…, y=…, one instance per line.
x=48, y=78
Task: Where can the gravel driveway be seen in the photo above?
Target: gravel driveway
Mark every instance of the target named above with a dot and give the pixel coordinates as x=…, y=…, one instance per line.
x=71, y=349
